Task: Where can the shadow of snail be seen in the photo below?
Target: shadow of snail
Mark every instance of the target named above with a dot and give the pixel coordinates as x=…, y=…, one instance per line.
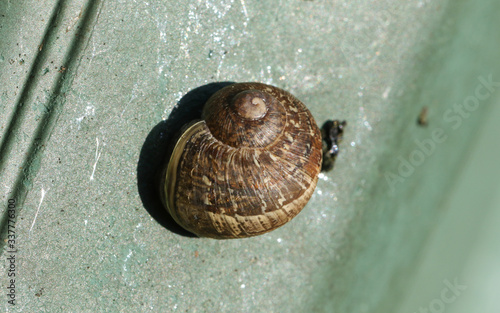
x=238, y=160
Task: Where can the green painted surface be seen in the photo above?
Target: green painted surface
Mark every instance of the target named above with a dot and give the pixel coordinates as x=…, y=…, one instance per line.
x=85, y=87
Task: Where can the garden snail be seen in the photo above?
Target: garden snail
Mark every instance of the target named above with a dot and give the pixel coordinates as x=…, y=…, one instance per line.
x=248, y=167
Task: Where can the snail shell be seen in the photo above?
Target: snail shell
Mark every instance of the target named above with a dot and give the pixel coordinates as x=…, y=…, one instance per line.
x=249, y=166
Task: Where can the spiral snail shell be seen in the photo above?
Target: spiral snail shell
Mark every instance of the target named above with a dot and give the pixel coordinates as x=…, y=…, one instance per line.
x=248, y=167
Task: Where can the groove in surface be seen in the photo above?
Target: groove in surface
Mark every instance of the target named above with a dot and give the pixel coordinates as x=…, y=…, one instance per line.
x=63, y=82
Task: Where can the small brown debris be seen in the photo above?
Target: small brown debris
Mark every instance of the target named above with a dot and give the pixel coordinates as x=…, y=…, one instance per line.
x=39, y=293
x=422, y=117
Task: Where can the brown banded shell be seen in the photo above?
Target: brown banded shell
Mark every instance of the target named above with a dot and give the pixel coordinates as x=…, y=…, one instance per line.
x=249, y=166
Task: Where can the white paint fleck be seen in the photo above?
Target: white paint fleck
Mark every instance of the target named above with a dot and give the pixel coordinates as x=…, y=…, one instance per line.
x=385, y=95
x=89, y=111
x=130, y=252
x=367, y=125
x=242, y=286
x=353, y=143
x=38, y=209
x=279, y=240
x=245, y=12
x=97, y=156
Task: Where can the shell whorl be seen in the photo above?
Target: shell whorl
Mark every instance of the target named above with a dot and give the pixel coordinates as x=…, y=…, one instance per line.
x=249, y=167
x=246, y=115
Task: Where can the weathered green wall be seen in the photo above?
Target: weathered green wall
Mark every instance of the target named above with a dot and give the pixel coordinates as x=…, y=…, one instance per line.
x=85, y=86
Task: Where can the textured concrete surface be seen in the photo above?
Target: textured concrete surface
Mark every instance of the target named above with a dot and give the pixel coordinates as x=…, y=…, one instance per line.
x=87, y=89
